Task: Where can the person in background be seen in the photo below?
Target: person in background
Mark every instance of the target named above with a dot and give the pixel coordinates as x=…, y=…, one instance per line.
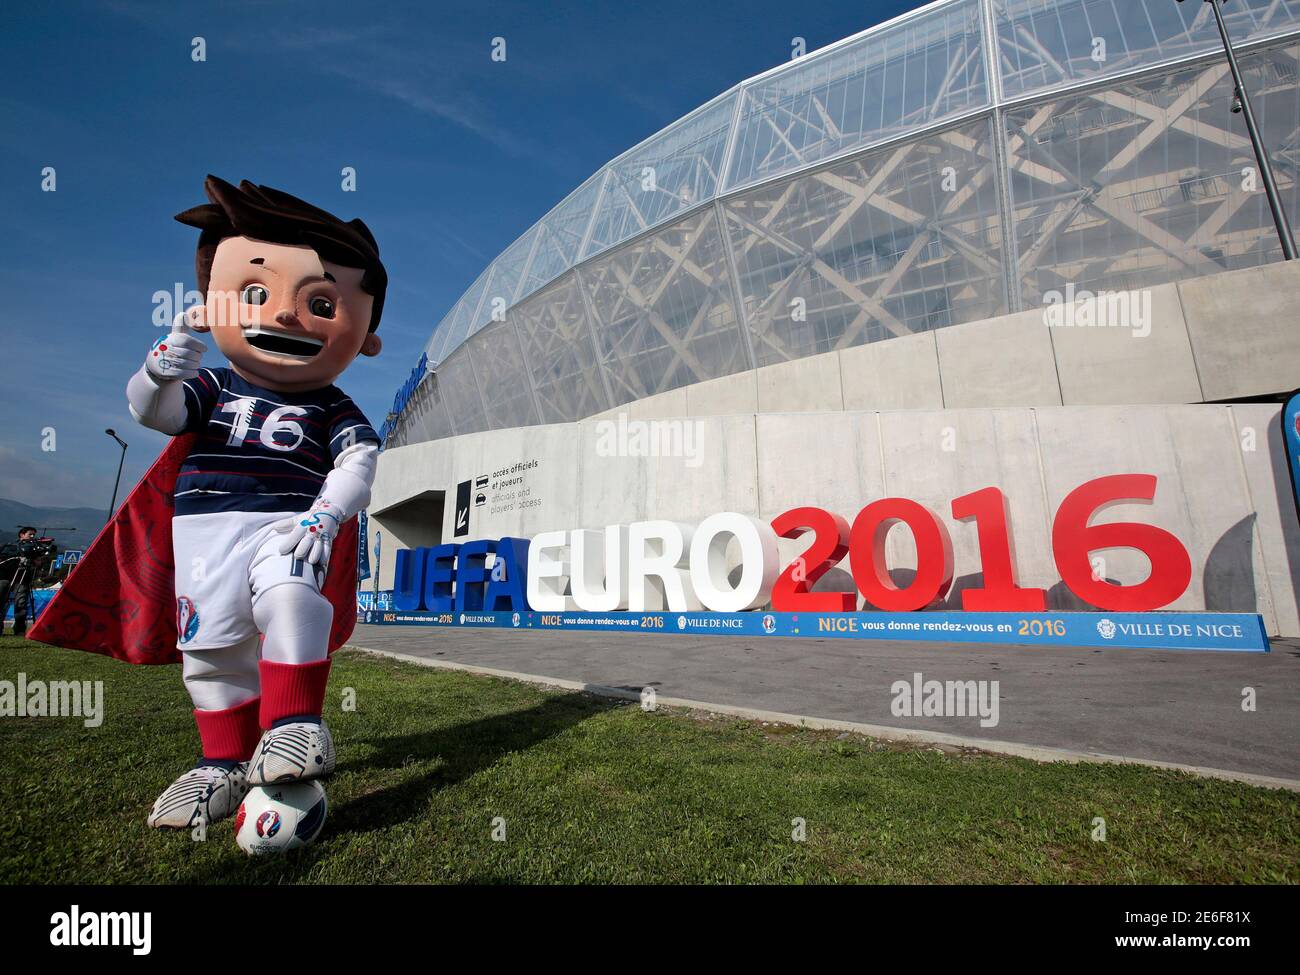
x=18, y=587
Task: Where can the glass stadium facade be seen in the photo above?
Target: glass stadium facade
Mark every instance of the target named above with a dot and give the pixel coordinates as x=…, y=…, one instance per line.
x=951, y=165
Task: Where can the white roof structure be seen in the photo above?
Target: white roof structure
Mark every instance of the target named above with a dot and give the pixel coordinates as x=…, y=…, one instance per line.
x=954, y=164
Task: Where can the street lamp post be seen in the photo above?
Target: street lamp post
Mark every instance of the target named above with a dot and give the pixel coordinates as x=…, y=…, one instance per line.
x=113, y=505
x=1261, y=156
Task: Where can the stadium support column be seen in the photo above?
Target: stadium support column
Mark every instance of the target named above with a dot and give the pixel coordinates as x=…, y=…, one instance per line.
x=1261, y=154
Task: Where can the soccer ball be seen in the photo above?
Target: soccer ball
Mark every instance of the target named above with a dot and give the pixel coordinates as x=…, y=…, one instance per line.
x=280, y=818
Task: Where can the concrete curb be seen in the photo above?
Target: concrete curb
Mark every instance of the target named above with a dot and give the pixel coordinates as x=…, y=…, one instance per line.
x=1034, y=753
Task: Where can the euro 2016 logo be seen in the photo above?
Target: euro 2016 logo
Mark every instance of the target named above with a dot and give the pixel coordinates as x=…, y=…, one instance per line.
x=268, y=824
x=187, y=618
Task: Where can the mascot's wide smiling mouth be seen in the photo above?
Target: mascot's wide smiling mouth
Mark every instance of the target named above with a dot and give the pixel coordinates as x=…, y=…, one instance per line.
x=292, y=345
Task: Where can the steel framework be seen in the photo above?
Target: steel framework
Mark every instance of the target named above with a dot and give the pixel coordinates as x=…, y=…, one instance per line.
x=888, y=184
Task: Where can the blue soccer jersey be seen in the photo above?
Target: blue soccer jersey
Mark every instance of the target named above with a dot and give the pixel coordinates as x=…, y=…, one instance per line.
x=260, y=450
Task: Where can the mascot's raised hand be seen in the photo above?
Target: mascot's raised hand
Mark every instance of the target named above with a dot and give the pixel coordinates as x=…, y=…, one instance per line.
x=176, y=355
x=311, y=534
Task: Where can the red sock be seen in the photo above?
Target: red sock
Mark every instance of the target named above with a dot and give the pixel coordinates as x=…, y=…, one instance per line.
x=292, y=690
x=231, y=734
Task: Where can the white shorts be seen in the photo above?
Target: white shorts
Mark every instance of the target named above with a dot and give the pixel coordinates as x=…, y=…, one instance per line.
x=225, y=560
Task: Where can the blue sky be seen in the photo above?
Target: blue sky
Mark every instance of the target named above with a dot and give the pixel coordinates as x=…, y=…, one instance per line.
x=456, y=155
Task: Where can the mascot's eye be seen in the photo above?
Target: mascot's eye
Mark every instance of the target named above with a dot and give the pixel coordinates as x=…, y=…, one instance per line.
x=321, y=307
x=255, y=294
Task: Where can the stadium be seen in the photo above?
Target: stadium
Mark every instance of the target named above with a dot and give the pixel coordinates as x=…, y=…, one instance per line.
x=1020, y=243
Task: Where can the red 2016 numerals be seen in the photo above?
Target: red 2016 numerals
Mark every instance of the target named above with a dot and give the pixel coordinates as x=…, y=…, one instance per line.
x=1073, y=539
x=992, y=517
x=933, y=555
x=830, y=544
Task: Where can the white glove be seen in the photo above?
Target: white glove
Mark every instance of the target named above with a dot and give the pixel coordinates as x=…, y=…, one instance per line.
x=311, y=534
x=176, y=355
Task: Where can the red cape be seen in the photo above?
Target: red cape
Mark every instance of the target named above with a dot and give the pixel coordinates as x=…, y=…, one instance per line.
x=119, y=599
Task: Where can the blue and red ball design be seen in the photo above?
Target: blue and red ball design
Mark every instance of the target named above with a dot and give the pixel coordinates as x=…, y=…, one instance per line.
x=268, y=824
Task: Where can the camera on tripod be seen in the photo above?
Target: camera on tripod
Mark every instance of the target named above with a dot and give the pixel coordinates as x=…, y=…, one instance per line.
x=36, y=550
x=25, y=565
x=34, y=555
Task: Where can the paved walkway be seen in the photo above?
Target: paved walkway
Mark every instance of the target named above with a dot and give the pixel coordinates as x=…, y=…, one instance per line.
x=1181, y=707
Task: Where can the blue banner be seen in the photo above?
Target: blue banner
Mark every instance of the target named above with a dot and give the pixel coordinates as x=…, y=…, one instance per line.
x=1242, y=632
x=403, y=397
x=371, y=600
x=40, y=597
x=363, y=553
x=1291, y=438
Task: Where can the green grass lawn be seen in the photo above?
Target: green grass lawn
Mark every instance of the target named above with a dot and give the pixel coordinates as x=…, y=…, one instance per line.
x=595, y=790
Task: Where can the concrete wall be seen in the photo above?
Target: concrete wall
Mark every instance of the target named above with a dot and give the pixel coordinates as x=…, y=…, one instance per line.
x=1244, y=330
x=1223, y=487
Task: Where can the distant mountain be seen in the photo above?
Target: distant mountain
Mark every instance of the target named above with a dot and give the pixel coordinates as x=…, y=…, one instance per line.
x=48, y=521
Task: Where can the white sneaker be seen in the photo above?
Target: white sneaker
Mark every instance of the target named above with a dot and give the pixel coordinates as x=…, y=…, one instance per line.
x=206, y=793
x=294, y=751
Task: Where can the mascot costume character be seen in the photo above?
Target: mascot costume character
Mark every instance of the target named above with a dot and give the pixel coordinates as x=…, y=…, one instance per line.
x=236, y=554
